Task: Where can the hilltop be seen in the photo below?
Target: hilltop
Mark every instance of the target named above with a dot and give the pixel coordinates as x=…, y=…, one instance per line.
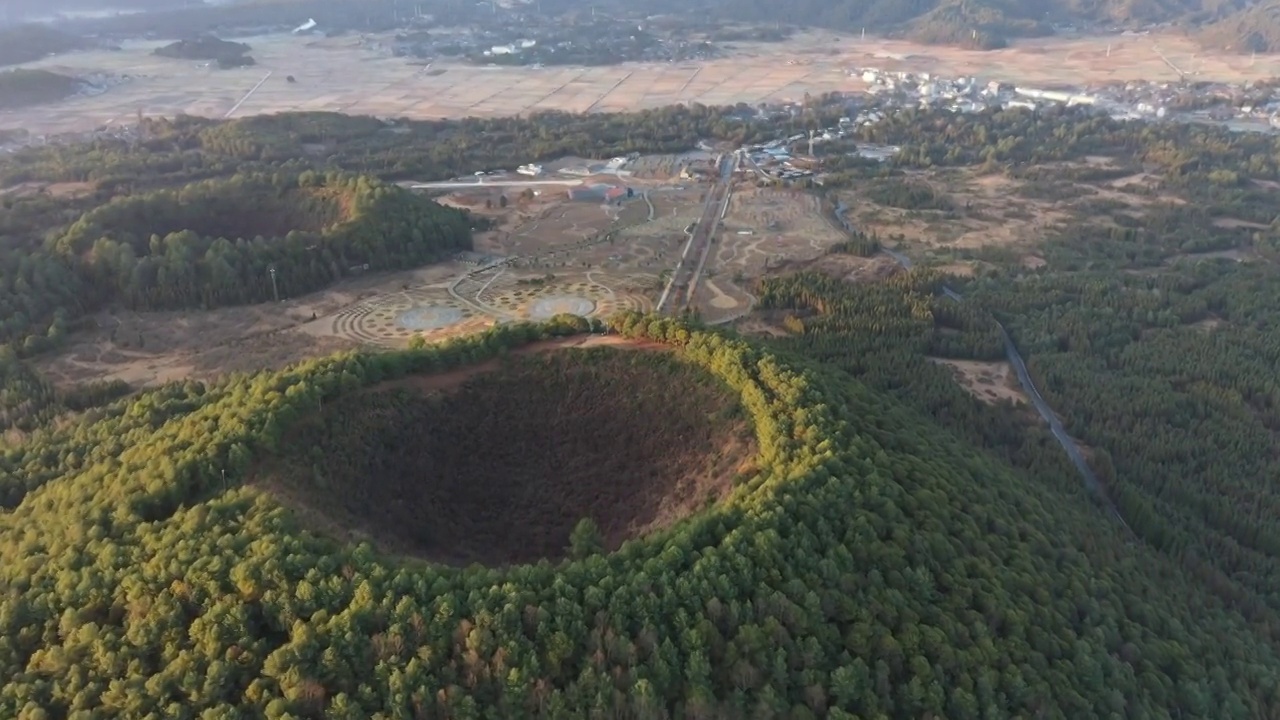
x=24, y=43
x=208, y=47
x=1235, y=25
x=993, y=23
x=1255, y=29
x=20, y=88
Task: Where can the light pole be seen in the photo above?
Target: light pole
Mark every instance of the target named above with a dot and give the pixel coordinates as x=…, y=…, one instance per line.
x=274, y=290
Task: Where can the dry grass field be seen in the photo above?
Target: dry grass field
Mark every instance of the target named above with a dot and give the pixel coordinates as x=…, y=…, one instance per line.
x=990, y=382
x=358, y=75
x=994, y=210
x=763, y=228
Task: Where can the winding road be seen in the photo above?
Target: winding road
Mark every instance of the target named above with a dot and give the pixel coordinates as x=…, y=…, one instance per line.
x=1042, y=406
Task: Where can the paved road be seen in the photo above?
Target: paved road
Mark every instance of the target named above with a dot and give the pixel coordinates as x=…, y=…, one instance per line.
x=684, y=279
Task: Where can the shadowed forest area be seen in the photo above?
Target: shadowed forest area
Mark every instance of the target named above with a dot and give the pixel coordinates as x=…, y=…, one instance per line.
x=501, y=468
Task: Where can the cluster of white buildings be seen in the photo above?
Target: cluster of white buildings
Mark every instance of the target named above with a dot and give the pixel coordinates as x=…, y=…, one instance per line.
x=1136, y=101
x=511, y=49
x=963, y=94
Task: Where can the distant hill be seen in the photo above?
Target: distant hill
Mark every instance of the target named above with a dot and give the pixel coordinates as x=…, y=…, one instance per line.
x=24, y=43
x=20, y=88
x=28, y=9
x=1256, y=29
x=993, y=23
x=207, y=47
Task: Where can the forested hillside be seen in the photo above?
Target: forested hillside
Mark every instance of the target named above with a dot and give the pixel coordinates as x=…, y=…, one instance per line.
x=984, y=24
x=24, y=43
x=1147, y=328
x=212, y=243
x=190, y=147
x=898, y=547
x=875, y=565
x=20, y=88
x=1232, y=25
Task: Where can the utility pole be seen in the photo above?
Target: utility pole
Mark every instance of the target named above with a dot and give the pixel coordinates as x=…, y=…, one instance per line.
x=274, y=290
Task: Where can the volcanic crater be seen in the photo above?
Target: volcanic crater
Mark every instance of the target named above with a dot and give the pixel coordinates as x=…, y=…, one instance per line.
x=498, y=463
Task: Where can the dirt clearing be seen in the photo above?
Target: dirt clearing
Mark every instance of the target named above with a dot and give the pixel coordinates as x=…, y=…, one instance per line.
x=990, y=382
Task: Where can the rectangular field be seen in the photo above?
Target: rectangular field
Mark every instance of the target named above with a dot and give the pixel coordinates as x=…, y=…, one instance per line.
x=358, y=76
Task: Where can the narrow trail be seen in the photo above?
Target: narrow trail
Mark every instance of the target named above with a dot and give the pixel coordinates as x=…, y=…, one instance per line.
x=1042, y=406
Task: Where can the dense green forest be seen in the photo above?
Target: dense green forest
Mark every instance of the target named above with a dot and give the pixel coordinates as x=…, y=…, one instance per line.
x=213, y=243
x=1149, y=334
x=873, y=566
x=898, y=548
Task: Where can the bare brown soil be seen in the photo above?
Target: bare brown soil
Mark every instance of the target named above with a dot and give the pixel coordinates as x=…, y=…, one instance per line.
x=152, y=348
x=990, y=382
x=760, y=324
x=499, y=462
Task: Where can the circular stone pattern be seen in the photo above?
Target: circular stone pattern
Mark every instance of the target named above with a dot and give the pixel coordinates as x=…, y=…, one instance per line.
x=548, y=307
x=429, y=317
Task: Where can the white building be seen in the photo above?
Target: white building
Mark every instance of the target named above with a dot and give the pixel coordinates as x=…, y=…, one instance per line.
x=1056, y=96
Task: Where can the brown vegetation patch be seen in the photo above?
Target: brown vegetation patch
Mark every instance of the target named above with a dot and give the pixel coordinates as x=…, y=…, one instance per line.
x=766, y=324
x=1236, y=255
x=1208, y=324
x=70, y=190
x=62, y=190
x=959, y=269
x=990, y=382
x=1232, y=223
x=500, y=462
x=850, y=268
x=997, y=210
